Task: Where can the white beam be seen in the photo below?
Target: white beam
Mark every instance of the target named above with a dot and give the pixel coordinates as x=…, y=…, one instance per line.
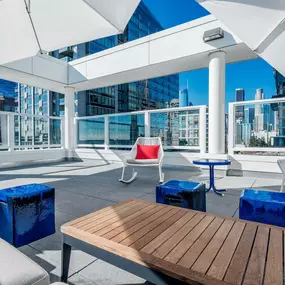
x=168, y=52
x=171, y=51
x=41, y=71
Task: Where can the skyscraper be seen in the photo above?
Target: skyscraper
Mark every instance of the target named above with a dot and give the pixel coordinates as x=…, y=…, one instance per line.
x=239, y=97
x=141, y=95
x=144, y=94
x=279, y=109
x=249, y=115
x=258, y=112
x=239, y=94
x=279, y=82
x=183, y=98
x=8, y=96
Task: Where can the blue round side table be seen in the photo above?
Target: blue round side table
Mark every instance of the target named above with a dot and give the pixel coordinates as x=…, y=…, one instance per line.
x=212, y=163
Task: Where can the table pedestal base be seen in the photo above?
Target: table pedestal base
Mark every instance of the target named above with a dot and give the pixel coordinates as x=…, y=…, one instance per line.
x=212, y=183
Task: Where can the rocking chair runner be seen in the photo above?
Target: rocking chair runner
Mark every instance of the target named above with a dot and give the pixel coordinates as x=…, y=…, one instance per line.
x=129, y=159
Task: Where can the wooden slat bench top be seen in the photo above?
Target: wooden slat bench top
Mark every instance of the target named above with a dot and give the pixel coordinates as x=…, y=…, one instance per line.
x=194, y=247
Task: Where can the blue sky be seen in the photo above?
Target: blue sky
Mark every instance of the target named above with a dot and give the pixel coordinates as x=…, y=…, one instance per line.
x=249, y=75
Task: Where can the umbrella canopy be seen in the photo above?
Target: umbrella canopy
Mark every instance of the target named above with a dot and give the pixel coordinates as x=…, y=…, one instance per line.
x=30, y=26
x=259, y=23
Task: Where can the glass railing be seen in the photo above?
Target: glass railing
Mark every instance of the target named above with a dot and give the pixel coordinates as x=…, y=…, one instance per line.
x=178, y=128
x=24, y=131
x=257, y=127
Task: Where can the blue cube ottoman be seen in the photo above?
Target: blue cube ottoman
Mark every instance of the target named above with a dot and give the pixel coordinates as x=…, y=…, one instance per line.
x=263, y=207
x=190, y=195
x=26, y=213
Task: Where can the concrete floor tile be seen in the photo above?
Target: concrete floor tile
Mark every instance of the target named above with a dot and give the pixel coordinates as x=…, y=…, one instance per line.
x=84, y=187
x=266, y=183
x=106, y=274
x=221, y=206
x=148, y=197
x=78, y=204
x=78, y=279
x=231, y=182
x=43, y=260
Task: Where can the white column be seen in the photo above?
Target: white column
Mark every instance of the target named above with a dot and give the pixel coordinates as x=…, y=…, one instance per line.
x=69, y=122
x=217, y=67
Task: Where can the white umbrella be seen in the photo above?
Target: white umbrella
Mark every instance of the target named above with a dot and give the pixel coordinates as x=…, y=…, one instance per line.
x=259, y=23
x=30, y=26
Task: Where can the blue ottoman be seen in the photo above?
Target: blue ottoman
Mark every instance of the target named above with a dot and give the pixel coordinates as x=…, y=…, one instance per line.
x=26, y=213
x=263, y=207
x=191, y=195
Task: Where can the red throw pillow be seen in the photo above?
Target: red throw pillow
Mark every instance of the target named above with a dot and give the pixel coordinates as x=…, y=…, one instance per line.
x=147, y=151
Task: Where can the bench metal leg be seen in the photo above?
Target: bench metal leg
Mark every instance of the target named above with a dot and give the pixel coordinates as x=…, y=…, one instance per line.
x=65, y=260
x=142, y=271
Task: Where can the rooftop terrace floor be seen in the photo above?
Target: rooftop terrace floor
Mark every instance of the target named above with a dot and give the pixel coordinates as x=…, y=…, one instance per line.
x=84, y=187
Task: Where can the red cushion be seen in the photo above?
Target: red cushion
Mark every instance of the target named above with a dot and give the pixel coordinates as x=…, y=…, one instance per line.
x=147, y=151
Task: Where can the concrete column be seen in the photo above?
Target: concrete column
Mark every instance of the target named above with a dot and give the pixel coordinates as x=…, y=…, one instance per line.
x=69, y=122
x=217, y=67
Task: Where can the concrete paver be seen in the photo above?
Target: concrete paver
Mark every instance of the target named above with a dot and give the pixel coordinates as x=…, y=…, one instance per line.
x=84, y=187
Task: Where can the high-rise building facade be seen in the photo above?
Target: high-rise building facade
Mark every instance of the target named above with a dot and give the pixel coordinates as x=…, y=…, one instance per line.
x=279, y=109
x=258, y=111
x=279, y=82
x=145, y=94
x=183, y=98
x=8, y=96
x=239, y=97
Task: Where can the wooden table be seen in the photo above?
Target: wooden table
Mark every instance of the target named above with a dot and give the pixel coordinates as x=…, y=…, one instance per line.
x=170, y=245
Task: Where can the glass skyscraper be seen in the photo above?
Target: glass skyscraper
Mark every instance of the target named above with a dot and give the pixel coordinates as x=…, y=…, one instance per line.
x=146, y=94
x=280, y=108
x=239, y=97
x=8, y=96
x=183, y=98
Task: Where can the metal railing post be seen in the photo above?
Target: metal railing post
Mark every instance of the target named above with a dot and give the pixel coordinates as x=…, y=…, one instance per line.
x=203, y=129
x=231, y=129
x=147, y=123
x=76, y=135
x=106, y=132
x=11, y=132
x=62, y=128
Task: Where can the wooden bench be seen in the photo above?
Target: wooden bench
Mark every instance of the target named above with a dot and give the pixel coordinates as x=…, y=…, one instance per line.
x=170, y=245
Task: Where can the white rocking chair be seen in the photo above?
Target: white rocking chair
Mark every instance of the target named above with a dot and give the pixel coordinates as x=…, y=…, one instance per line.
x=129, y=159
x=281, y=164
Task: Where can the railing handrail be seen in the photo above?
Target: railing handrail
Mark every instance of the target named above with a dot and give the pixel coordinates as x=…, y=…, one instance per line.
x=31, y=115
x=262, y=101
x=167, y=110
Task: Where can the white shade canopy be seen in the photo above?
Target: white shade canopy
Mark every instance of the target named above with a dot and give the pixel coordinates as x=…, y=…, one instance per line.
x=30, y=26
x=259, y=23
